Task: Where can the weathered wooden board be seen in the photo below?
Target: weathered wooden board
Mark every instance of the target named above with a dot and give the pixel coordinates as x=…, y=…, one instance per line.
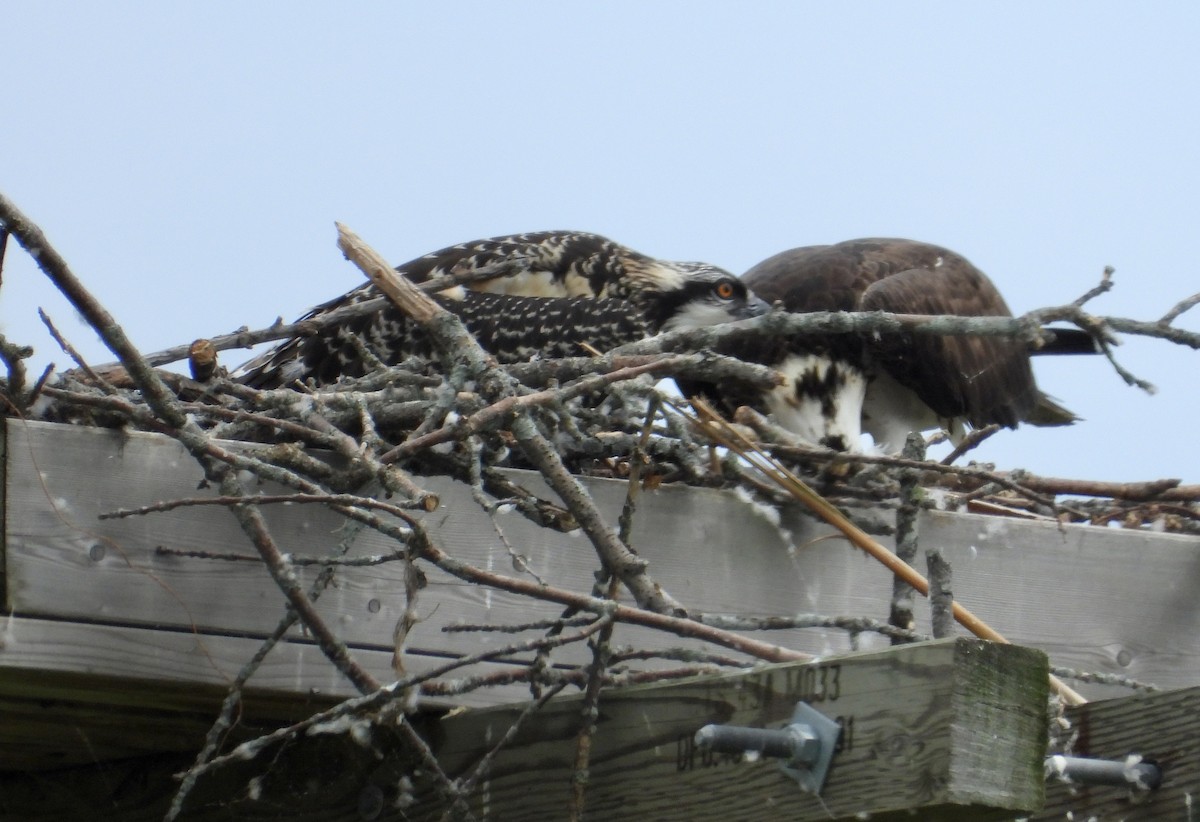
x=1163, y=728
x=65, y=564
x=127, y=672
x=951, y=729
x=1097, y=599
x=944, y=729
x=321, y=778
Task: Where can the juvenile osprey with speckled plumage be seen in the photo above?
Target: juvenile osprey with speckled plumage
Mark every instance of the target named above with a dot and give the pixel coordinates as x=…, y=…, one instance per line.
x=545, y=295
x=838, y=386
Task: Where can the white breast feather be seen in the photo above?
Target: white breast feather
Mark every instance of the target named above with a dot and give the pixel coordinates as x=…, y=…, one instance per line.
x=805, y=415
x=891, y=412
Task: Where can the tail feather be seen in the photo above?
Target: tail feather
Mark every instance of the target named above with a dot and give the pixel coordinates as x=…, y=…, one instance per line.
x=1047, y=412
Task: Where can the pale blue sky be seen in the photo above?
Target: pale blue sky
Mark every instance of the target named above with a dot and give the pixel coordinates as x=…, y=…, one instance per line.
x=189, y=159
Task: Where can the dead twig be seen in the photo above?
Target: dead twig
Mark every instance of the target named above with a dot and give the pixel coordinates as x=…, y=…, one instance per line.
x=901, y=614
x=1179, y=308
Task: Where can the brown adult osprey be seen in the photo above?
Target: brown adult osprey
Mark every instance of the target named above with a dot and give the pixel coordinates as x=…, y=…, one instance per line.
x=839, y=386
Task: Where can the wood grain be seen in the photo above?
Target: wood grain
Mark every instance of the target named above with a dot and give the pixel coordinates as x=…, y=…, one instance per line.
x=1163, y=728
x=951, y=727
x=1040, y=584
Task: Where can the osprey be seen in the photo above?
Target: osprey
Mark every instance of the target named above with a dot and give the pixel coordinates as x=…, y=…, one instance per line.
x=838, y=386
x=548, y=293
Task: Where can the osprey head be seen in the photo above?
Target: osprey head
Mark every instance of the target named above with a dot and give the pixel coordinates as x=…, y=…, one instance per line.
x=702, y=295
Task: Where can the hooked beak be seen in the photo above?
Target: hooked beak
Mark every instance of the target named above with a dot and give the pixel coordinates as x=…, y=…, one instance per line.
x=755, y=307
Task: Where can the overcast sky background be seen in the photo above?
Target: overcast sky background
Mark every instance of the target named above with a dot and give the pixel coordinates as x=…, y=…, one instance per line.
x=189, y=160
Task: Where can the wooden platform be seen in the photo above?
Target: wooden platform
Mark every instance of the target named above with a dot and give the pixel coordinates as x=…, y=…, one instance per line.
x=110, y=649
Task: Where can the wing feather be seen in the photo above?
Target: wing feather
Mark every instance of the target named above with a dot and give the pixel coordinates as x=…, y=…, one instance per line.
x=513, y=329
x=982, y=379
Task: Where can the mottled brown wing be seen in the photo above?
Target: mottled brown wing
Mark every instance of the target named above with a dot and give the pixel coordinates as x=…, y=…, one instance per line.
x=543, y=263
x=984, y=379
x=834, y=277
x=534, y=264
x=513, y=329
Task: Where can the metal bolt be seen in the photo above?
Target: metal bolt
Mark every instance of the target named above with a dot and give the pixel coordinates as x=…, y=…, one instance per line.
x=805, y=747
x=1131, y=771
x=796, y=743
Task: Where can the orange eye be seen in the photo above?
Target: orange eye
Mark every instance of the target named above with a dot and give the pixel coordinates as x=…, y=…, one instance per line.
x=725, y=290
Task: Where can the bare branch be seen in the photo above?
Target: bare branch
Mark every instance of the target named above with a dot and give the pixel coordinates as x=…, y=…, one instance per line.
x=1179, y=308
x=1104, y=286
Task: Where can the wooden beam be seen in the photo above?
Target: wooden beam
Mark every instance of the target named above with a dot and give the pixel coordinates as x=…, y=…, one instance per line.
x=1040, y=584
x=1160, y=727
x=145, y=690
x=328, y=777
x=952, y=729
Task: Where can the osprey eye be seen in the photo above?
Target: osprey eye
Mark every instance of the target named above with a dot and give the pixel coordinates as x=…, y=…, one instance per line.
x=724, y=290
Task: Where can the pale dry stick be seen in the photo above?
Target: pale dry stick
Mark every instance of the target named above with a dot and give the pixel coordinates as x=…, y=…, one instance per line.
x=722, y=432
x=1179, y=308
x=1105, y=285
x=481, y=768
x=851, y=625
x=941, y=598
x=575, y=677
x=70, y=351
x=1104, y=679
x=254, y=499
x=973, y=438
x=680, y=626
x=906, y=531
x=246, y=338
x=1161, y=489
x=1027, y=327
x=518, y=627
x=13, y=355
x=300, y=562
x=233, y=699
